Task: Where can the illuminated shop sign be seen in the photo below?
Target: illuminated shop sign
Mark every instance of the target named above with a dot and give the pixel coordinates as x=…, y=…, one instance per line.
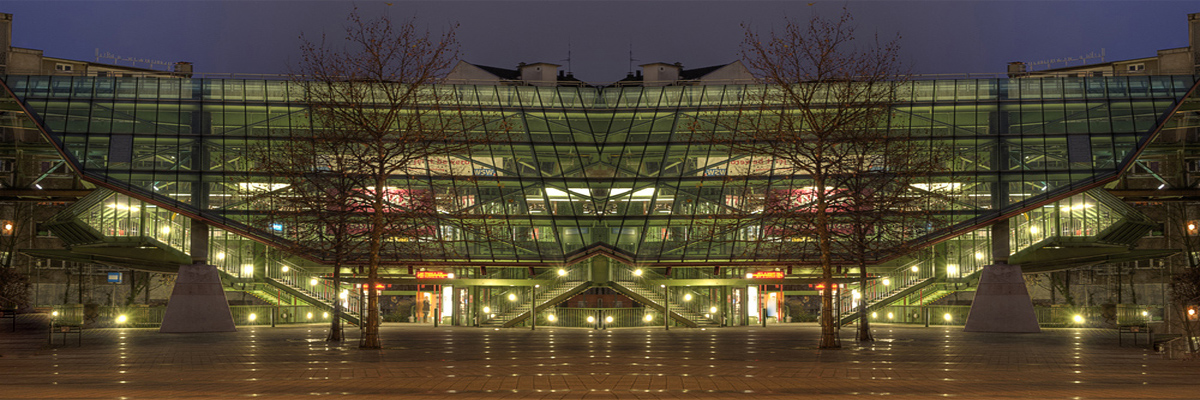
x=434, y=275
x=766, y=275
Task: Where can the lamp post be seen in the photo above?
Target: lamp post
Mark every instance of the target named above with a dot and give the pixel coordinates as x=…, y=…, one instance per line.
x=666, y=308
x=533, y=307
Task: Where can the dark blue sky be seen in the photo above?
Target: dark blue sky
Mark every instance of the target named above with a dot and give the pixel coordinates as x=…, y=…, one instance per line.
x=262, y=36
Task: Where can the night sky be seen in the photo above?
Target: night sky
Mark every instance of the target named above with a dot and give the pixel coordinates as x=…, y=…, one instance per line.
x=263, y=36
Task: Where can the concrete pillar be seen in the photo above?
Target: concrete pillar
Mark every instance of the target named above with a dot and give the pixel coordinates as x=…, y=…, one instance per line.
x=1001, y=248
x=198, y=301
x=1002, y=302
x=198, y=242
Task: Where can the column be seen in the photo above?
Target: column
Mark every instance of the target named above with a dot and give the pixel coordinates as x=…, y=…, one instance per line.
x=1002, y=302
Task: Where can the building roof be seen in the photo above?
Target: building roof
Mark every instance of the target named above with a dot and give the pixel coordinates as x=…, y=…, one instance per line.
x=502, y=73
x=697, y=73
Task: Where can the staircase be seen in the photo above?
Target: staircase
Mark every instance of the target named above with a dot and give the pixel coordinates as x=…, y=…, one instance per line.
x=507, y=314
x=913, y=283
x=887, y=288
x=293, y=281
x=689, y=313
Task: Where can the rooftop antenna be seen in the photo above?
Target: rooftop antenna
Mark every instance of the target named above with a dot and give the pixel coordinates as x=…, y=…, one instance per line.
x=568, y=59
x=631, y=59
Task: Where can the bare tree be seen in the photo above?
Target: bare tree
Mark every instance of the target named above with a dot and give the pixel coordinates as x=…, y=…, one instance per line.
x=382, y=132
x=887, y=193
x=824, y=104
x=1185, y=293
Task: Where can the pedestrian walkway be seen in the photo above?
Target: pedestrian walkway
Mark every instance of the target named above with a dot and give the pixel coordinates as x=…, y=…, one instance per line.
x=420, y=361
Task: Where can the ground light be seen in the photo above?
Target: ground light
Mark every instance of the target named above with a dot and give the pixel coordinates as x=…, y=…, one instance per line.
x=948, y=317
x=325, y=315
x=648, y=318
x=608, y=319
x=309, y=315
x=874, y=315
x=891, y=316
x=591, y=319
x=253, y=317
x=551, y=317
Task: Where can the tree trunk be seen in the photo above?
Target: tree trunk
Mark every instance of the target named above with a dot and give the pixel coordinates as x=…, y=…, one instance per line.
x=829, y=339
x=371, y=325
x=864, y=329
x=335, y=326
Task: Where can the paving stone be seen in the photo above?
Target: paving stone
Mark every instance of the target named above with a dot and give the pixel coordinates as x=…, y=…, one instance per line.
x=420, y=361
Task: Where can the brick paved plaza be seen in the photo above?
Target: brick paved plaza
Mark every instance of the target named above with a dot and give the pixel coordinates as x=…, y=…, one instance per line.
x=462, y=362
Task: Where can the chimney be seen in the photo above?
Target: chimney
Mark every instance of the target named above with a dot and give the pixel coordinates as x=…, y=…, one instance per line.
x=182, y=69
x=1016, y=69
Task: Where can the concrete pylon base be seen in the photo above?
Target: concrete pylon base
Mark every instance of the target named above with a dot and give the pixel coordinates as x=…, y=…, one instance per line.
x=1002, y=302
x=197, y=303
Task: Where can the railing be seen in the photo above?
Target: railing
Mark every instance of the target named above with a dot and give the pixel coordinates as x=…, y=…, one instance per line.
x=500, y=309
x=621, y=317
x=142, y=316
x=694, y=309
x=1047, y=316
x=887, y=285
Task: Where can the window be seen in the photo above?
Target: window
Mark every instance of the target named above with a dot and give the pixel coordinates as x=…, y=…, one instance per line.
x=1137, y=67
x=7, y=164
x=64, y=67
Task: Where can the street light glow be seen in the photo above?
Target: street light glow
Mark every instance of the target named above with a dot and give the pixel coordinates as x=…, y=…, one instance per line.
x=687, y=297
x=550, y=317
x=608, y=319
x=1078, y=319
x=712, y=309
x=637, y=272
x=253, y=316
x=122, y=318
x=512, y=297
x=591, y=319
x=648, y=317
x=947, y=317
x=562, y=272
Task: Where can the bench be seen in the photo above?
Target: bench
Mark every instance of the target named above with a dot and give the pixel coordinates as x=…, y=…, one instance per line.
x=10, y=313
x=1134, y=330
x=66, y=329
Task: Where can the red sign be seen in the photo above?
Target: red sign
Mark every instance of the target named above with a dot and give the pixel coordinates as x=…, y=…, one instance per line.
x=767, y=275
x=432, y=275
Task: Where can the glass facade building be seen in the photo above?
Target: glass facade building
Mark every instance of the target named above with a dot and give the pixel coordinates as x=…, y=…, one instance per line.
x=586, y=171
